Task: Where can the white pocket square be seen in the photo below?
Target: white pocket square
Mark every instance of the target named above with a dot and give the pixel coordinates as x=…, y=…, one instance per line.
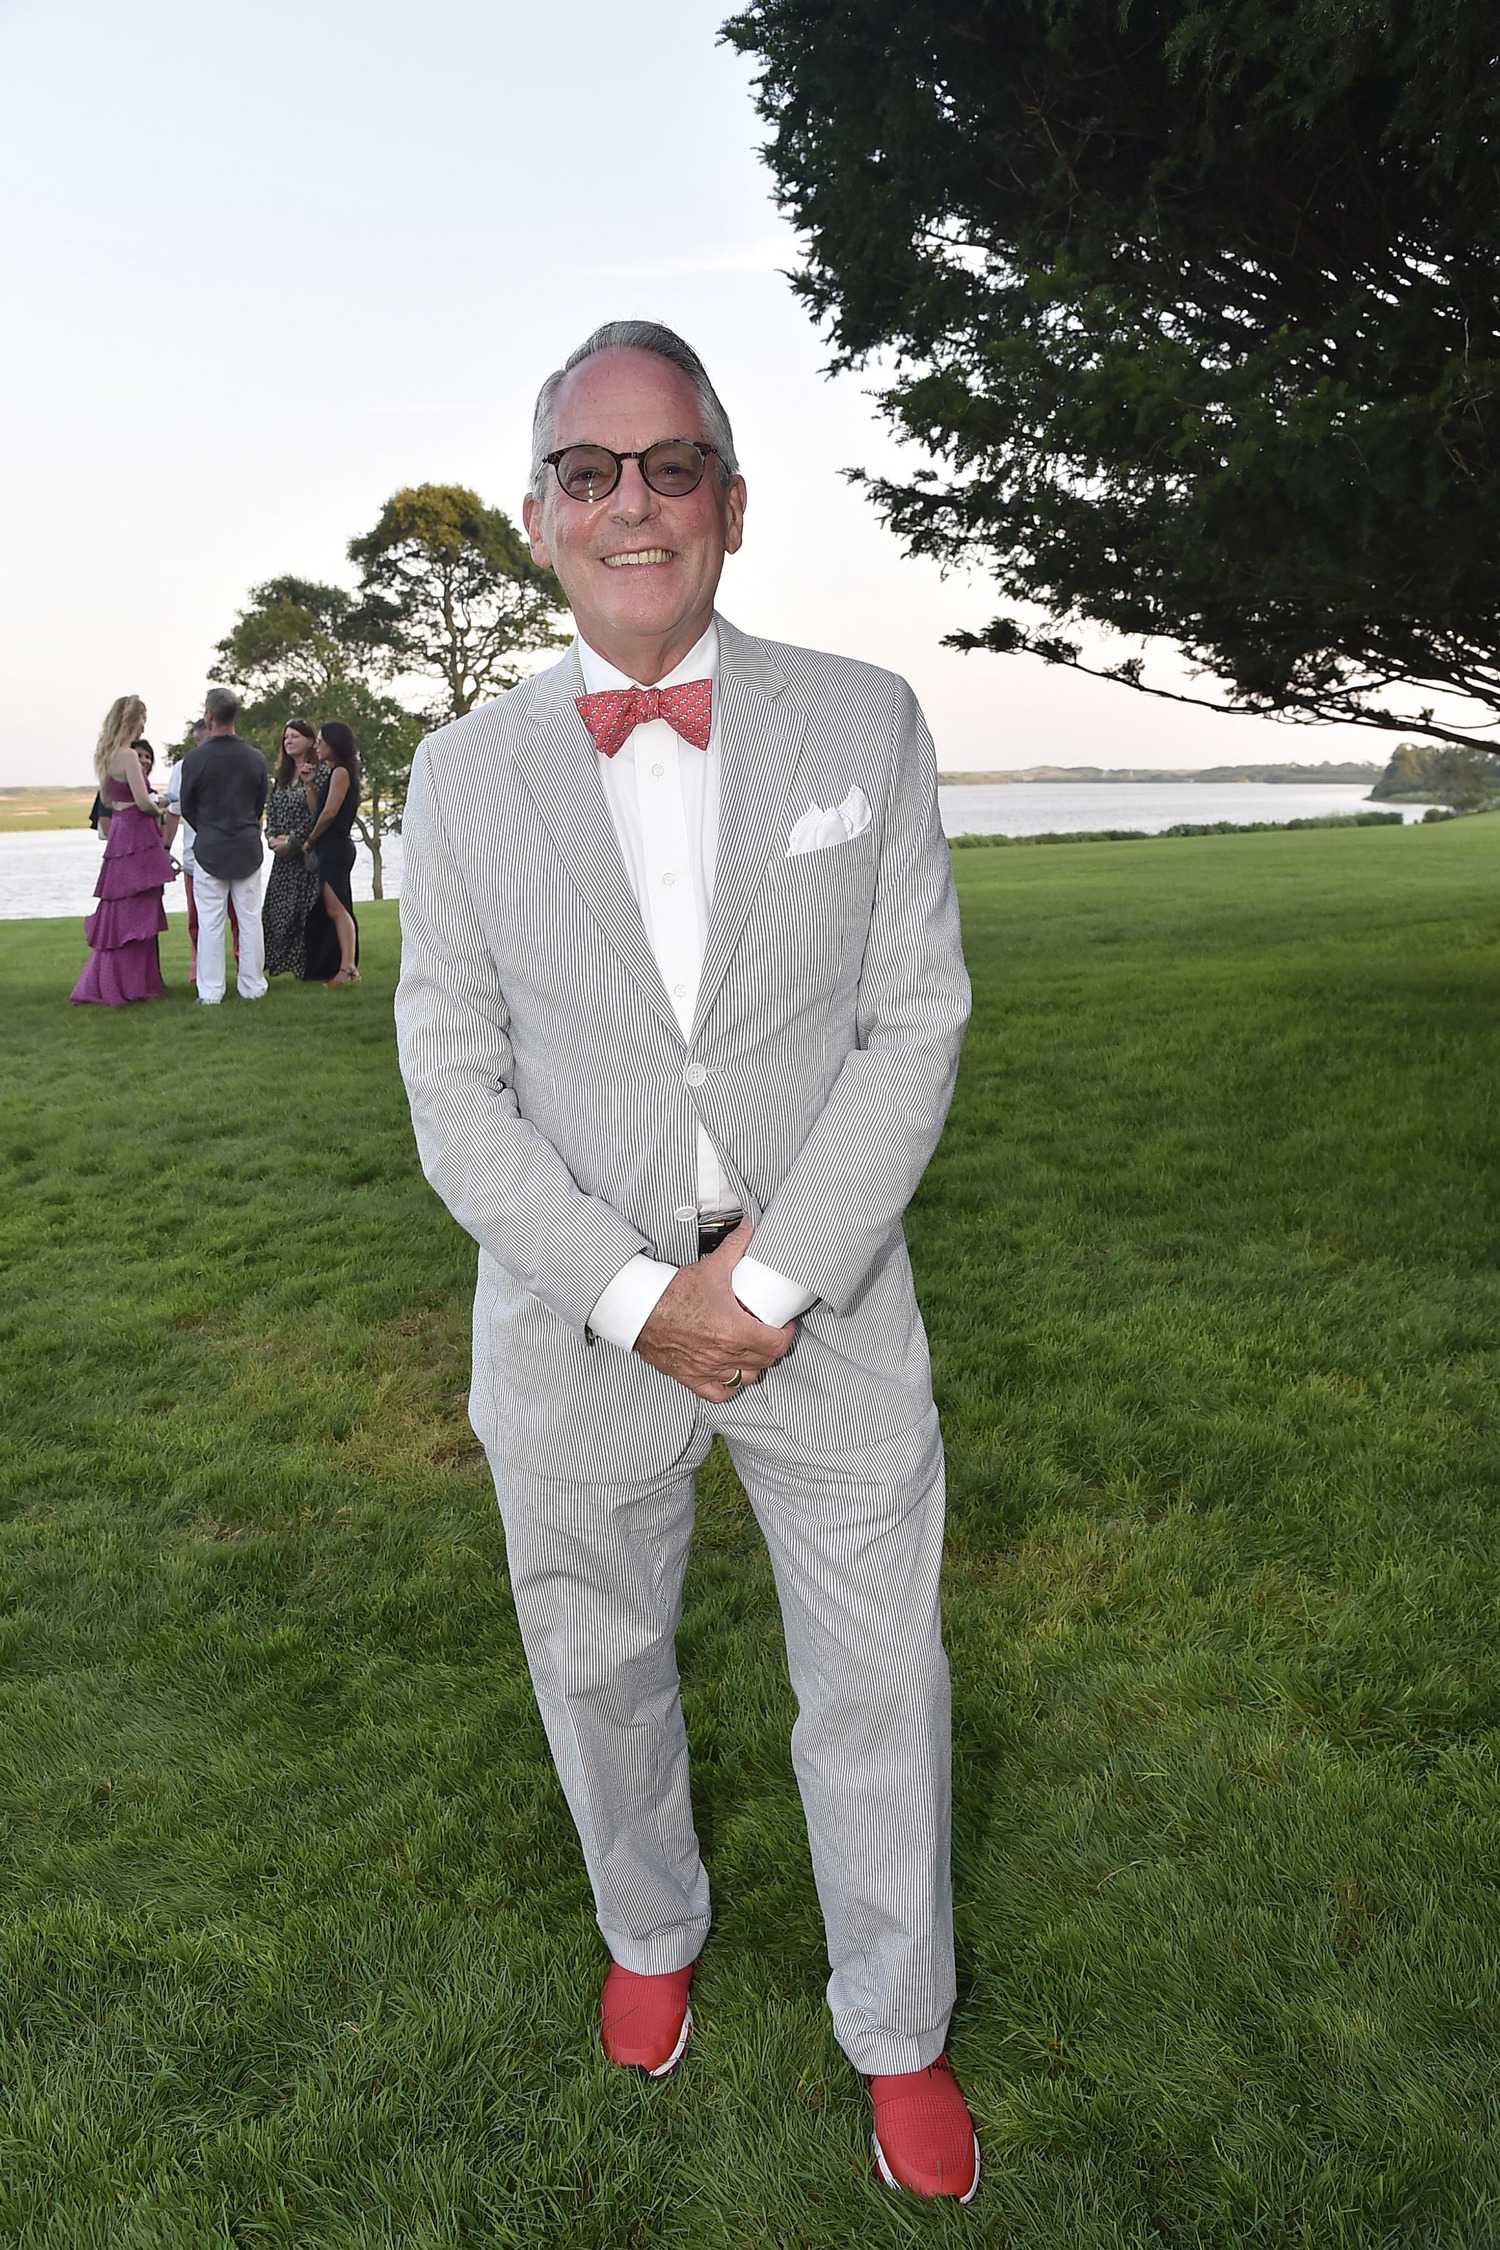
x=817, y=829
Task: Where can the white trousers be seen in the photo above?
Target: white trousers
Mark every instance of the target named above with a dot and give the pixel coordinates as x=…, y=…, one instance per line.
x=856, y=1547
x=212, y=893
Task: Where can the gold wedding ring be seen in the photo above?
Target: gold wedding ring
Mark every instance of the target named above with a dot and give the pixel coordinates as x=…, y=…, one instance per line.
x=735, y=1380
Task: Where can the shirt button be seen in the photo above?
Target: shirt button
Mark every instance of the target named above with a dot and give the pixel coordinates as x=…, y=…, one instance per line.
x=679, y=991
x=694, y=1075
x=658, y=771
x=668, y=880
x=685, y=1211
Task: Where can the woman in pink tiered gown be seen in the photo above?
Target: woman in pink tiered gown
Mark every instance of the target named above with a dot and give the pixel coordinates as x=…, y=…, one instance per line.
x=130, y=917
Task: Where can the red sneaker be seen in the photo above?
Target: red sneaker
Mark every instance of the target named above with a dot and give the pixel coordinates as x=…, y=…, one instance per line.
x=644, y=2022
x=924, y=2135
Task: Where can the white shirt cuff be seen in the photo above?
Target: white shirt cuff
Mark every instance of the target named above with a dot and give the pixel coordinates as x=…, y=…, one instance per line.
x=627, y=1303
x=768, y=1294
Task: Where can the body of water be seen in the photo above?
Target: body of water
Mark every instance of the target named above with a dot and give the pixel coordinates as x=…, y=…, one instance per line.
x=1041, y=808
x=54, y=873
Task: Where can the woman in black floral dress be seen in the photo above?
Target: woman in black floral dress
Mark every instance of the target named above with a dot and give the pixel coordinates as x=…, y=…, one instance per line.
x=297, y=796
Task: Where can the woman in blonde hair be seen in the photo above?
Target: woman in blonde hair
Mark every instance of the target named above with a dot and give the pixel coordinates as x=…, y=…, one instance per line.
x=124, y=927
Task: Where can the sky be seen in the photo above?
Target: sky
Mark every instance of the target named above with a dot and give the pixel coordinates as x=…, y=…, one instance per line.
x=265, y=264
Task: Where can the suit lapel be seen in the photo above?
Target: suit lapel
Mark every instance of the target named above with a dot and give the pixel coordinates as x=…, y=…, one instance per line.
x=760, y=740
x=560, y=768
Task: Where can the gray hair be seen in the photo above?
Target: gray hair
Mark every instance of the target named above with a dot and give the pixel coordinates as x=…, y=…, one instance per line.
x=221, y=706
x=639, y=336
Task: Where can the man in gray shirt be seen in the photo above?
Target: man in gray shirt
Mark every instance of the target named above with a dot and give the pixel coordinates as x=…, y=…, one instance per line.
x=224, y=787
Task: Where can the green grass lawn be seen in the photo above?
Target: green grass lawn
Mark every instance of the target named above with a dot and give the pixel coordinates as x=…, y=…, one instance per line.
x=297, y=1948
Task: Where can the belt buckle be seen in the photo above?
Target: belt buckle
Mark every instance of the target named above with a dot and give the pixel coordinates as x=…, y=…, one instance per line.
x=717, y=1230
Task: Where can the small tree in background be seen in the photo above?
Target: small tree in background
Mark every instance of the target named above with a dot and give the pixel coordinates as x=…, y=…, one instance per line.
x=448, y=593
x=305, y=650
x=451, y=586
x=291, y=647
x=296, y=640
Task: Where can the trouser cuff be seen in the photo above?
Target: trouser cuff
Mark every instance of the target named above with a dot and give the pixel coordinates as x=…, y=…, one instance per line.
x=878, y=2054
x=661, y=1953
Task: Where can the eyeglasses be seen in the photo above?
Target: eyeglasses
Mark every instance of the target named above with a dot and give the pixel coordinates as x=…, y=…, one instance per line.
x=590, y=472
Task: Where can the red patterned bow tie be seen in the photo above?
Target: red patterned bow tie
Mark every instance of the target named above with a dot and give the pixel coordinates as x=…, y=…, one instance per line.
x=613, y=715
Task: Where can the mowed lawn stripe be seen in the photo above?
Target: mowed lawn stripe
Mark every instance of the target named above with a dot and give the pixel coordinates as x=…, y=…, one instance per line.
x=297, y=1945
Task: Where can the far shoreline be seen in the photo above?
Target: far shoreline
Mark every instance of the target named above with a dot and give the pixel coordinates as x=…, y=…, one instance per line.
x=24, y=812
x=1321, y=776
x=42, y=810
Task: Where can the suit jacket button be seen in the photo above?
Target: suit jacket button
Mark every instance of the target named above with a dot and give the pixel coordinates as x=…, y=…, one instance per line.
x=685, y=1211
x=694, y=1075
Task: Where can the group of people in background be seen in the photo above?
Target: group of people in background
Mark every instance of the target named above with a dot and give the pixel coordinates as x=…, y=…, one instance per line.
x=214, y=806
x=308, y=913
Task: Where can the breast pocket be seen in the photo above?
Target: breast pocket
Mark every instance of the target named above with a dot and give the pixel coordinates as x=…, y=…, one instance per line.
x=821, y=906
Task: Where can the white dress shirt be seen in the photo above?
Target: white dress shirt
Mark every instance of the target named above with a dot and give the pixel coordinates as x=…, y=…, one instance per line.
x=184, y=838
x=663, y=797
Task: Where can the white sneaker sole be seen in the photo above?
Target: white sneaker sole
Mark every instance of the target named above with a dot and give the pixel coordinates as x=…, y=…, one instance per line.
x=675, y=2057
x=891, y=2180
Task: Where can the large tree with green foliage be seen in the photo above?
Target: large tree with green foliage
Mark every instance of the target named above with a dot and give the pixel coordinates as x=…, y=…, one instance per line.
x=1199, y=307
x=452, y=585
x=301, y=649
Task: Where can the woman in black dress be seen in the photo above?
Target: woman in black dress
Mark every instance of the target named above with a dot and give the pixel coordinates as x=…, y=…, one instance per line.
x=297, y=796
x=330, y=935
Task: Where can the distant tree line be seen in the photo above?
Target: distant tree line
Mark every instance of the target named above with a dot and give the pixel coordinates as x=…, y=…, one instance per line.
x=1440, y=774
x=447, y=599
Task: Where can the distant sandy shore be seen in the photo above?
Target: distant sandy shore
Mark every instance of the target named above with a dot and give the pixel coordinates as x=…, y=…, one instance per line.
x=22, y=810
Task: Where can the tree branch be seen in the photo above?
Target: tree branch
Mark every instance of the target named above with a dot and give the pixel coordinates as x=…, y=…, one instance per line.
x=1007, y=639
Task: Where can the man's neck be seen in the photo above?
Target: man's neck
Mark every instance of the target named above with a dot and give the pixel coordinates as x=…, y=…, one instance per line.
x=219, y=734
x=647, y=662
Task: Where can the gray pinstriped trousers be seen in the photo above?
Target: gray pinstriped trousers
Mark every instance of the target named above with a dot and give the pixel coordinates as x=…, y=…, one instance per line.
x=856, y=1547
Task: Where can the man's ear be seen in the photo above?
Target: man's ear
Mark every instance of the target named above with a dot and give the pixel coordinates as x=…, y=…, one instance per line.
x=734, y=515
x=531, y=517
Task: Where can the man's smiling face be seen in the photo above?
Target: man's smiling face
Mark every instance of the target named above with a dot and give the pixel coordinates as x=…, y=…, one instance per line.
x=640, y=569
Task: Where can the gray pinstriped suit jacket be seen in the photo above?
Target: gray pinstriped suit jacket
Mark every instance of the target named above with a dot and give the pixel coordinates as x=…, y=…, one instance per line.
x=553, y=1095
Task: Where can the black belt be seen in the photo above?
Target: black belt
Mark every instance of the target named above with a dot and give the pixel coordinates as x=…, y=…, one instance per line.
x=712, y=1232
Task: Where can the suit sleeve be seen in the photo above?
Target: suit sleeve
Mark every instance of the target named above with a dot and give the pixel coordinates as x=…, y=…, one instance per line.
x=503, y=1182
x=836, y=1211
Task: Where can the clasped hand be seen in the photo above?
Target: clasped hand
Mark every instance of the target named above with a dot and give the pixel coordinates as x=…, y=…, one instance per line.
x=700, y=1333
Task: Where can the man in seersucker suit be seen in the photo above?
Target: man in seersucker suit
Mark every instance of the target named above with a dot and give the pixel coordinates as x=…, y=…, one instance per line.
x=681, y=1001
